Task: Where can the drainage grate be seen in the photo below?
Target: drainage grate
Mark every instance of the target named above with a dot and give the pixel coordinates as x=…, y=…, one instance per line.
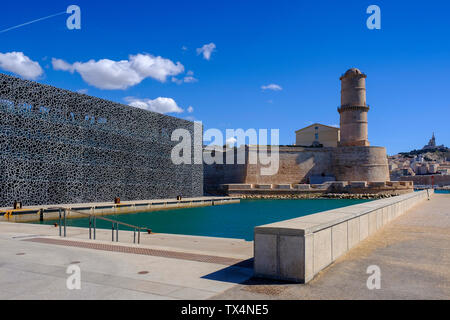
x=145, y=251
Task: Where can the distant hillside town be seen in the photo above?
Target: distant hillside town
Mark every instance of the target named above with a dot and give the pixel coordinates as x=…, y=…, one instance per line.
x=427, y=166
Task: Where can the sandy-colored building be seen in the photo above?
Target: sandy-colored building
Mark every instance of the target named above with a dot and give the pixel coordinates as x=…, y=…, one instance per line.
x=317, y=135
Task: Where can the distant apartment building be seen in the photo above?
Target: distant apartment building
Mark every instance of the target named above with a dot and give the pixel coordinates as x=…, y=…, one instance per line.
x=433, y=168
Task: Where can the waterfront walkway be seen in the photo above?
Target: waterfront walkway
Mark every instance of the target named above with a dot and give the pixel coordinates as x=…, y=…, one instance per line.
x=412, y=252
x=50, y=212
x=34, y=260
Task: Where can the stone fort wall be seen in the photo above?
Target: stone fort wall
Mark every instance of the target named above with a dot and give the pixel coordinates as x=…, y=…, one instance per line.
x=360, y=164
x=296, y=165
x=299, y=164
x=57, y=147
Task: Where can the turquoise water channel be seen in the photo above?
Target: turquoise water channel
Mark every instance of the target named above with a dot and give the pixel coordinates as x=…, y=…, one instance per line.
x=235, y=220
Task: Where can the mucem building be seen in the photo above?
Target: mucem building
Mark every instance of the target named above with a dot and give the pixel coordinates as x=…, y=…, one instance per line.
x=58, y=146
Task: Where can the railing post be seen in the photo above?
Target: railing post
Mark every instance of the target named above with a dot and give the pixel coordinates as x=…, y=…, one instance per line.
x=112, y=231
x=95, y=226
x=117, y=232
x=90, y=227
x=134, y=236
x=65, y=213
x=59, y=222
x=139, y=235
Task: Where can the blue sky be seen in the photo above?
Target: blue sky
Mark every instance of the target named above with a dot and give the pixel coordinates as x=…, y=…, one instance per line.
x=301, y=46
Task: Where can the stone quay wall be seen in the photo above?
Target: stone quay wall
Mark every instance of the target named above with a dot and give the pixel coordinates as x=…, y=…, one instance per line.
x=297, y=249
x=332, y=187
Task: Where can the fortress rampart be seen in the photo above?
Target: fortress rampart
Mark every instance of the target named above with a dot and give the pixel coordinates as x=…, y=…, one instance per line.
x=360, y=164
x=352, y=162
x=299, y=165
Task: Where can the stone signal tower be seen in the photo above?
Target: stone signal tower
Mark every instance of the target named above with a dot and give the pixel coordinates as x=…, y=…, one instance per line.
x=354, y=158
x=353, y=109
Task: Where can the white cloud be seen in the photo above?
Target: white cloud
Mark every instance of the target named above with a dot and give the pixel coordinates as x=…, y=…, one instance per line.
x=160, y=105
x=189, y=79
x=20, y=64
x=83, y=91
x=190, y=109
x=59, y=64
x=272, y=86
x=184, y=48
x=207, y=50
x=230, y=141
x=113, y=75
x=176, y=80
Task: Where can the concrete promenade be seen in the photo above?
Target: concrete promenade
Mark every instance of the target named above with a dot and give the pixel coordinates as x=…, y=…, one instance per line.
x=165, y=266
x=412, y=252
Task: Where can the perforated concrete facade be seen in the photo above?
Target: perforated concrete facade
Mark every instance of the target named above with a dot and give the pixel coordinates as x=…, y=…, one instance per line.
x=58, y=146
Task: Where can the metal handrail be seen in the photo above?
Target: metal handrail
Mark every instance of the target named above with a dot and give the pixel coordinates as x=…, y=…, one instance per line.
x=93, y=224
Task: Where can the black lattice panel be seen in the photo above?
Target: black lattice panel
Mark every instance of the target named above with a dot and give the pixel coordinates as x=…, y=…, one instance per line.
x=58, y=146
